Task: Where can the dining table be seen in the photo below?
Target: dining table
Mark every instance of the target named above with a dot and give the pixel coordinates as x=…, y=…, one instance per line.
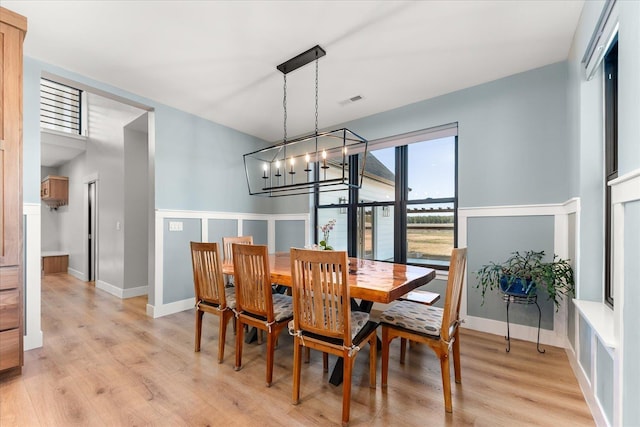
x=369, y=281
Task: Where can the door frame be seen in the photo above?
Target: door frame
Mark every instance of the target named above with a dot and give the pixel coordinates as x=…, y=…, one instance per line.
x=91, y=179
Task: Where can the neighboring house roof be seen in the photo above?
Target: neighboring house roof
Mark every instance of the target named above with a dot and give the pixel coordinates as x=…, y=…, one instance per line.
x=375, y=169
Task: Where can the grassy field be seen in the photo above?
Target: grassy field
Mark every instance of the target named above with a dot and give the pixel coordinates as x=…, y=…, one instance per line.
x=433, y=243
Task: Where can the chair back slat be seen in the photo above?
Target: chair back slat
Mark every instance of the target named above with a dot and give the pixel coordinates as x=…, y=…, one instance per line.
x=227, y=243
x=207, y=273
x=453, y=297
x=253, y=280
x=321, y=300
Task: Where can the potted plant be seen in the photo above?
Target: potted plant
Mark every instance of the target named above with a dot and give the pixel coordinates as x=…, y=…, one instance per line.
x=523, y=272
x=326, y=229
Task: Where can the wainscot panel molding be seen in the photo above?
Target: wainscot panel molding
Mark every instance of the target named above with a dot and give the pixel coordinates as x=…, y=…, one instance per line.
x=163, y=308
x=33, y=261
x=560, y=212
x=600, y=327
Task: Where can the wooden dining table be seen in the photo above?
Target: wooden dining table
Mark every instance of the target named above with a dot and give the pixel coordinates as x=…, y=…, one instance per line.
x=372, y=281
x=369, y=281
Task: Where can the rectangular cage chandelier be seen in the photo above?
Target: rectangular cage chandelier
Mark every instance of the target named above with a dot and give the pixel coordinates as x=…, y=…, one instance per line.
x=318, y=161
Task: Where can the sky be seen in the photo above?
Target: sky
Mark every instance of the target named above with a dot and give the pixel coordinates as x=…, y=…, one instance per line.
x=431, y=167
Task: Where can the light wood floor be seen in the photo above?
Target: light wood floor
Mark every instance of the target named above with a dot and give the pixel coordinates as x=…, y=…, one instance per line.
x=104, y=362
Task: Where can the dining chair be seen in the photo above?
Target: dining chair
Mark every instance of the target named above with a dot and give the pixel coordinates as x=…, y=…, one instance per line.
x=323, y=320
x=256, y=305
x=227, y=252
x=434, y=326
x=420, y=297
x=211, y=294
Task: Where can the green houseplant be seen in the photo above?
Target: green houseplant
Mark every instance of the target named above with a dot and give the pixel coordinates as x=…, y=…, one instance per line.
x=524, y=272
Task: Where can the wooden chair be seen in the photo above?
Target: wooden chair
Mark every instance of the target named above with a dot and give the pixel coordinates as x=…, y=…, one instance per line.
x=322, y=317
x=436, y=327
x=227, y=243
x=420, y=297
x=211, y=294
x=255, y=304
x=227, y=251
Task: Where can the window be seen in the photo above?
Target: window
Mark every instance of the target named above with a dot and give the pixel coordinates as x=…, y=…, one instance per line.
x=60, y=107
x=405, y=210
x=611, y=157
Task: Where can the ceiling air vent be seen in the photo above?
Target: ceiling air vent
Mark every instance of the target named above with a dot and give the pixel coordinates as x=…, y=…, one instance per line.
x=350, y=100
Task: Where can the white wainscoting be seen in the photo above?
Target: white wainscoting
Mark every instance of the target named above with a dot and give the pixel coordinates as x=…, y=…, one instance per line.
x=560, y=212
x=606, y=324
x=32, y=286
x=162, y=309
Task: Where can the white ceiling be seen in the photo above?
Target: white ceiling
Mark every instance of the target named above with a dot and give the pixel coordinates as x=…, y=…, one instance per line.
x=217, y=59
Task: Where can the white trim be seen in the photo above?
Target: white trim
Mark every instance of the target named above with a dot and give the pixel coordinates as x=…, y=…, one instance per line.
x=624, y=189
x=600, y=319
x=109, y=288
x=134, y=292
x=516, y=331
x=585, y=386
x=159, y=308
x=33, y=337
x=171, y=308
x=560, y=212
x=77, y=274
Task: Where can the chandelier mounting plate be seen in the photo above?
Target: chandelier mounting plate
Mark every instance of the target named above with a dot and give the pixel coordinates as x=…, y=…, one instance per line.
x=301, y=60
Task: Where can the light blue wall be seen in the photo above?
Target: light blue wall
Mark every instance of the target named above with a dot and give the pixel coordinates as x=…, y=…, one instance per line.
x=494, y=239
x=219, y=228
x=512, y=136
x=198, y=163
x=604, y=387
x=289, y=234
x=178, y=270
x=584, y=346
x=631, y=337
x=585, y=123
x=257, y=228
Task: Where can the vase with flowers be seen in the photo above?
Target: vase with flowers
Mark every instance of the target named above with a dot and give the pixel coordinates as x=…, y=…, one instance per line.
x=326, y=229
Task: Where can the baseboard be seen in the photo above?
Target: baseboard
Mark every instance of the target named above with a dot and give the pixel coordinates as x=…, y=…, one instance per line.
x=520, y=332
x=171, y=308
x=31, y=341
x=135, y=292
x=109, y=288
x=595, y=408
x=77, y=274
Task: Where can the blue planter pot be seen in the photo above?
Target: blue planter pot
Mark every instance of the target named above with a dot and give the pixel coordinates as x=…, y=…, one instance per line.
x=517, y=287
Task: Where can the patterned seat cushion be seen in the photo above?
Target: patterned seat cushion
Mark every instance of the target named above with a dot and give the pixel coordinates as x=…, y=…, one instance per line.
x=358, y=320
x=282, y=307
x=420, y=318
x=230, y=295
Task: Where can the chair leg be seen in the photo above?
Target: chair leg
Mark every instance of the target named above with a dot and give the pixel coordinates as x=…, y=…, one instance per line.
x=222, y=335
x=325, y=362
x=271, y=348
x=456, y=357
x=297, y=361
x=346, y=387
x=307, y=355
x=198, y=328
x=403, y=349
x=446, y=381
x=385, y=355
x=239, y=339
x=373, y=348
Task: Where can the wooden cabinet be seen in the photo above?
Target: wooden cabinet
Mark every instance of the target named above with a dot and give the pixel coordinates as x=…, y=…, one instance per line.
x=54, y=191
x=12, y=31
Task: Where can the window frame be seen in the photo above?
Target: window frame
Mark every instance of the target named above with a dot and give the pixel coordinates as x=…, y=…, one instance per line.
x=611, y=158
x=401, y=202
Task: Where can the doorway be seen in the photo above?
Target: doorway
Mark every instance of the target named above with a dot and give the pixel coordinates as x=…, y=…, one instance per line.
x=91, y=231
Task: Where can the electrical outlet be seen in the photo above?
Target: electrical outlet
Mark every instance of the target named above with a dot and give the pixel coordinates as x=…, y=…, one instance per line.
x=175, y=225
